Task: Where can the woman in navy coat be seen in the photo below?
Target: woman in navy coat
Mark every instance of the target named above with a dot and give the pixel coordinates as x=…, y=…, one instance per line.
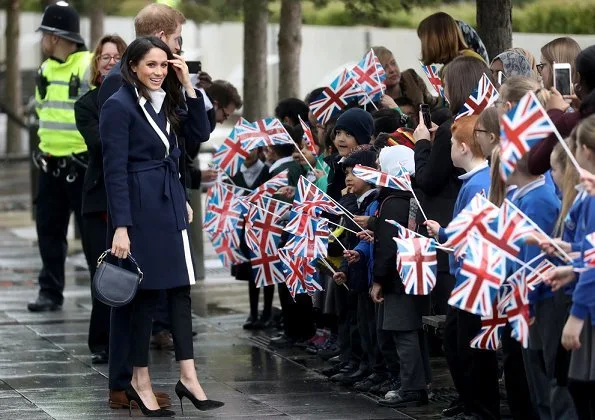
x=148, y=213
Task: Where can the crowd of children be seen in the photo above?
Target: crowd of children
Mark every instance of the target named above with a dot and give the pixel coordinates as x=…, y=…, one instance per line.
x=363, y=323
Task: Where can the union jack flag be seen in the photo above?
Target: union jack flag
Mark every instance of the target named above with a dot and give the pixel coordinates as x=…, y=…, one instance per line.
x=402, y=181
x=520, y=129
x=479, y=210
x=417, y=264
x=492, y=325
x=231, y=154
x=263, y=230
x=272, y=205
x=589, y=253
x=308, y=137
x=515, y=303
x=432, y=72
x=334, y=98
x=265, y=132
x=300, y=274
x=229, y=253
x=483, y=96
x=223, y=210
x=481, y=275
x=310, y=199
x=311, y=247
x=534, y=275
x=369, y=75
x=266, y=269
x=302, y=224
x=508, y=230
x=269, y=187
x=403, y=232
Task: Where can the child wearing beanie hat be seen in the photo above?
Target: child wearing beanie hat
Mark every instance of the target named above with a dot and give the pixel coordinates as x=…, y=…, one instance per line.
x=354, y=127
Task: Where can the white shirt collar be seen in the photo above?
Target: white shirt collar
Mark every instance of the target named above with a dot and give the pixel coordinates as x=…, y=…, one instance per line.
x=522, y=191
x=250, y=174
x=157, y=99
x=280, y=162
x=362, y=197
x=475, y=170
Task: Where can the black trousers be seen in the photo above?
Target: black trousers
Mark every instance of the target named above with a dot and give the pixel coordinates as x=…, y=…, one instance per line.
x=386, y=344
x=298, y=315
x=180, y=315
x=366, y=323
x=93, y=237
x=474, y=372
x=56, y=200
x=161, y=314
x=515, y=379
x=120, y=338
x=254, y=296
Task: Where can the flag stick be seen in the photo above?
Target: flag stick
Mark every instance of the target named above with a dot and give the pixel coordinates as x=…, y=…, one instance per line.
x=438, y=246
x=347, y=213
x=564, y=145
x=414, y=195
x=332, y=270
x=338, y=241
x=302, y=155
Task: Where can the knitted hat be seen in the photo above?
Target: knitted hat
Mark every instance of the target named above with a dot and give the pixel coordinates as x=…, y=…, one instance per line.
x=362, y=155
x=358, y=123
x=392, y=158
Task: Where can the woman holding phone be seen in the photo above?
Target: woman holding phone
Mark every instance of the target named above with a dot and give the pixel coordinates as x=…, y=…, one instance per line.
x=148, y=213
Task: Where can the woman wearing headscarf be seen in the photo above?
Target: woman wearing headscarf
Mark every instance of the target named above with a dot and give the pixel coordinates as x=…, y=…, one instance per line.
x=511, y=63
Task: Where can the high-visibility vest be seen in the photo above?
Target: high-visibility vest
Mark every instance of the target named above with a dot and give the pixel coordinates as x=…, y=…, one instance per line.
x=62, y=83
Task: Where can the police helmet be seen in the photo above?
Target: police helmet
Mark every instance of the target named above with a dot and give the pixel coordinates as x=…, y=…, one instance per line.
x=62, y=20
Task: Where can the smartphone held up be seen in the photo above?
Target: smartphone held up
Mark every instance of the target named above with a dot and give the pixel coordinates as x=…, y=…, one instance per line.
x=425, y=112
x=563, y=78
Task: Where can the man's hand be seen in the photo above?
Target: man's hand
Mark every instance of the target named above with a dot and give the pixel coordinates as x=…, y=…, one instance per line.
x=367, y=235
x=362, y=221
x=559, y=277
x=204, y=80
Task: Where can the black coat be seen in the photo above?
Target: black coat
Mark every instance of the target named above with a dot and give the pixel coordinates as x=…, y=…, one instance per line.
x=438, y=179
x=402, y=312
x=86, y=114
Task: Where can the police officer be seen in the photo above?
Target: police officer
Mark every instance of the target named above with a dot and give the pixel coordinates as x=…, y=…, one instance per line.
x=61, y=157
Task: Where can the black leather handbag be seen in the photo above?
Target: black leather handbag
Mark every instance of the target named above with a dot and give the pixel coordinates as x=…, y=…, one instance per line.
x=113, y=285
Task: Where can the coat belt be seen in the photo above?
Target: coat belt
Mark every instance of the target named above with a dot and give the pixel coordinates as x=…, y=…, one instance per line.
x=172, y=188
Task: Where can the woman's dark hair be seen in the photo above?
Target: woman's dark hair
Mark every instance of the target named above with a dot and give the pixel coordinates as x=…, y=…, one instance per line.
x=585, y=67
x=133, y=55
x=460, y=77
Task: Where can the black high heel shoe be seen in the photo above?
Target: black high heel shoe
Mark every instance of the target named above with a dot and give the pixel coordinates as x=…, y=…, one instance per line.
x=182, y=391
x=132, y=395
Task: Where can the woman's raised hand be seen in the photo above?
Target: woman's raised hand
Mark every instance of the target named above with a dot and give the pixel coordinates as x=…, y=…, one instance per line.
x=181, y=68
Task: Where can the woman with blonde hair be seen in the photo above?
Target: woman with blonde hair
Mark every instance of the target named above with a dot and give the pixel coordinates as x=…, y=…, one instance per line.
x=560, y=50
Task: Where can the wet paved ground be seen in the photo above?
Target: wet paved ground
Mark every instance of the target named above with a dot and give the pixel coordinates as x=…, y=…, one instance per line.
x=45, y=366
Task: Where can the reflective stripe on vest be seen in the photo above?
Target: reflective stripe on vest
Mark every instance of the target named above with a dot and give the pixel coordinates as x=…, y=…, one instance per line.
x=57, y=132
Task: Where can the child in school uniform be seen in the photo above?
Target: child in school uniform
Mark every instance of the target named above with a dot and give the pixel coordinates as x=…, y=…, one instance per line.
x=251, y=175
x=474, y=372
x=538, y=200
x=577, y=334
x=360, y=309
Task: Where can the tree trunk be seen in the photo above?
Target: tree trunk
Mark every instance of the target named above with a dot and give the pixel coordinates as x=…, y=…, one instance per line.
x=290, y=48
x=494, y=25
x=13, y=76
x=256, y=19
x=96, y=17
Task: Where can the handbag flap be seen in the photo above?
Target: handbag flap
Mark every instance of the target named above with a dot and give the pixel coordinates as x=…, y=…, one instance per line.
x=113, y=285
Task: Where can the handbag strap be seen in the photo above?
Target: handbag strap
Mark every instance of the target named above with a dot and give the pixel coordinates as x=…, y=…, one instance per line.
x=130, y=257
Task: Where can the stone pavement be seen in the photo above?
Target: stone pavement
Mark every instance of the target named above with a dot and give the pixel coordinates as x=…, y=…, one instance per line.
x=45, y=365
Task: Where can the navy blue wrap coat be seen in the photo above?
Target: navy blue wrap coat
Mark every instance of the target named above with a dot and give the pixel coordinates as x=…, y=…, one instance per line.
x=142, y=180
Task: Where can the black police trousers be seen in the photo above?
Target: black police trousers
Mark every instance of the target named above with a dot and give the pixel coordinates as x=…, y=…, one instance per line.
x=56, y=200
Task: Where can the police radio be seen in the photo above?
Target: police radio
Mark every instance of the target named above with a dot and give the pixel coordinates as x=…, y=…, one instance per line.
x=74, y=86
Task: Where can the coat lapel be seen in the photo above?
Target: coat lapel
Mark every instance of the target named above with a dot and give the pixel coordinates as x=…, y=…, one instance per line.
x=154, y=121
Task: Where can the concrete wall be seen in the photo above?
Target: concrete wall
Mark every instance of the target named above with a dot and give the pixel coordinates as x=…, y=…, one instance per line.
x=325, y=50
